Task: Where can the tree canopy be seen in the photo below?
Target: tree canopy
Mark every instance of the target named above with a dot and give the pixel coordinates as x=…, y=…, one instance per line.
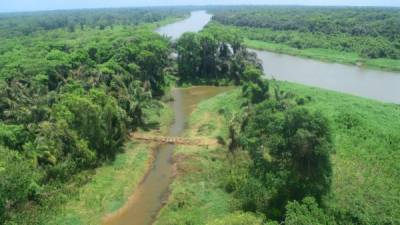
x=288, y=149
x=370, y=32
x=72, y=88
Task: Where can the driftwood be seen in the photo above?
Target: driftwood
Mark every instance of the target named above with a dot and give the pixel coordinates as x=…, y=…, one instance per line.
x=204, y=141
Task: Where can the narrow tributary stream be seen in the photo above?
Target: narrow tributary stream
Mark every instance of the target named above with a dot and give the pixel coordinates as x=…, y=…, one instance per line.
x=152, y=193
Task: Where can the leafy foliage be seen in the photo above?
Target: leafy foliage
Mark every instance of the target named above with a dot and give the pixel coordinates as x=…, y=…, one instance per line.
x=370, y=32
x=213, y=57
x=289, y=148
x=69, y=97
x=17, y=180
x=306, y=212
x=238, y=219
x=14, y=24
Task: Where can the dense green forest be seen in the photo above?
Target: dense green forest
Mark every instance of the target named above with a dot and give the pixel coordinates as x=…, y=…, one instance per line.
x=289, y=148
x=370, y=33
x=74, y=84
x=214, y=57
x=69, y=97
x=13, y=24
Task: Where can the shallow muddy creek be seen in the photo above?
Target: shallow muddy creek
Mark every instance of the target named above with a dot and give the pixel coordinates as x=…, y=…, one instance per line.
x=152, y=193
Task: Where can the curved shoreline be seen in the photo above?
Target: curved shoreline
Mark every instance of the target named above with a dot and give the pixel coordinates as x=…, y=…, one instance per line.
x=280, y=49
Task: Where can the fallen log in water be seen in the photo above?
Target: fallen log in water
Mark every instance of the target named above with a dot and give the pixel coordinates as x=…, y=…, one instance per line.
x=203, y=141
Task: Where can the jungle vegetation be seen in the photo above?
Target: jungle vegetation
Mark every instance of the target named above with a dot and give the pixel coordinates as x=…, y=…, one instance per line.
x=239, y=183
x=75, y=85
x=26, y=23
x=214, y=57
x=288, y=147
x=370, y=33
x=71, y=90
x=290, y=154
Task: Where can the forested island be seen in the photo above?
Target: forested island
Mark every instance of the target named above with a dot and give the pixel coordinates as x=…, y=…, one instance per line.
x=75, y=86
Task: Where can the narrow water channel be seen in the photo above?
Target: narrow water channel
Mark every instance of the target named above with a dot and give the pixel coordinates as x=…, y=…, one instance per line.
x=149, y=197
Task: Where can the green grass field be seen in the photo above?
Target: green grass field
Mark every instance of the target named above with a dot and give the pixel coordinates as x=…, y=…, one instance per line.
x=366, y=163
x=108, y=190
x=314, y=53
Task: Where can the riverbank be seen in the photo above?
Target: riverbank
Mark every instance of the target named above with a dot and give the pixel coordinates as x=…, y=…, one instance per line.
x=252, y=39
x=167, y=21
x=197, y=194
x=88, y=175
x=366, y=163
x=326, y=55
x=92, y=194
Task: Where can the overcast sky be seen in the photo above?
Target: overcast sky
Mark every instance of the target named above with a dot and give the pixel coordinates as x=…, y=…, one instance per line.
x=32, y=5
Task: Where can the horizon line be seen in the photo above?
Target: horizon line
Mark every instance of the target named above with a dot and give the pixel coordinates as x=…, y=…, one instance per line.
x=198, y=6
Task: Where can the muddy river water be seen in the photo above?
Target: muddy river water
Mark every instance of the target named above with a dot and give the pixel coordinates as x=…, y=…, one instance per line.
x=145, y=203
x=149, y=197
x=373, y=84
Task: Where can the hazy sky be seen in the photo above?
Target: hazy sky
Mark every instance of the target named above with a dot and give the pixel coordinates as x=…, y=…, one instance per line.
x=30, y=5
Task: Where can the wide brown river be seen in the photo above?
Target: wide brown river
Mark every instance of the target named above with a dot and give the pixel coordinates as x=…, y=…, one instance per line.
x=373, y=84
x=368, y=83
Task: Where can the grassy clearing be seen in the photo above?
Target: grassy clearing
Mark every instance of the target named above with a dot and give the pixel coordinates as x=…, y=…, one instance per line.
x=197, y=196
x=387, y=64
x=109, y=188
x=105, y=190
x=113, y=184
x=206, y=120
x=314, y=53
x=366, y=163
